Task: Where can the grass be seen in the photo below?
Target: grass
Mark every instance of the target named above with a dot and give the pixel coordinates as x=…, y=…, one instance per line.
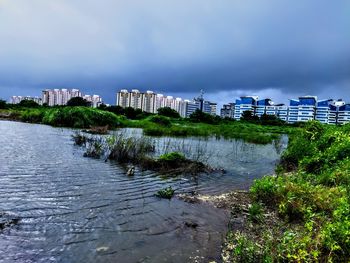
x=310, y=195
x=254, y=133
x=154, y=125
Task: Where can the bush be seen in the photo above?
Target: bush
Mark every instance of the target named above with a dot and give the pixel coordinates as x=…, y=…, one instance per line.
x=199, y=116
x=80, y=117
x=161, y=120
x=28, y=104
x=256, y=213
x=32, y=115
x=168, y=112
x=78, y=101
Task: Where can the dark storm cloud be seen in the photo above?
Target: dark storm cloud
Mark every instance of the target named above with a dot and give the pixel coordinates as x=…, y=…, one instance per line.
x=224, y=47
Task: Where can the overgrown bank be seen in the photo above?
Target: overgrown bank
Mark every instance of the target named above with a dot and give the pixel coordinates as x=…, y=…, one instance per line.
x=303, y=213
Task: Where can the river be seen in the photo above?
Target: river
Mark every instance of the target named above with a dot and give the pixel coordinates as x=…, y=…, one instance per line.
x=77, y=209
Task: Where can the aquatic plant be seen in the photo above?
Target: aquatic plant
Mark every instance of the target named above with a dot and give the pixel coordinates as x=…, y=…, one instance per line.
x=79, y=138
x=95, y=148
x=128, y=149
x=166, y=193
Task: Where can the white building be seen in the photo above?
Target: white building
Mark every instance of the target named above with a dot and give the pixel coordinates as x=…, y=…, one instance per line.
x=18, y=99
x=59, y=97
x=95, y=100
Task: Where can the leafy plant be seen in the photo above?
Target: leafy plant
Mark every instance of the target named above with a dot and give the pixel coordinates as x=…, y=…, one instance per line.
x=166, y=193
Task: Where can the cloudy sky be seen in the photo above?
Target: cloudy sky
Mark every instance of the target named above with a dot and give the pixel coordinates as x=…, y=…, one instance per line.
x=228, y=48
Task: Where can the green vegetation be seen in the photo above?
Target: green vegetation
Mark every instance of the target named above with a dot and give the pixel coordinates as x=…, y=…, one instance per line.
x=166, y=193
x=311, y=196
x=167, y=123
x=255, y=213
x=168, y=112
x=78, y=101
x=80, y=117
x=3, y=104
x=161, y=120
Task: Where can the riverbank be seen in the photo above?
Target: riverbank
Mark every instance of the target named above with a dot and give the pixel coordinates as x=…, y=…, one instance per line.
x=303, y=213
x=154, y=125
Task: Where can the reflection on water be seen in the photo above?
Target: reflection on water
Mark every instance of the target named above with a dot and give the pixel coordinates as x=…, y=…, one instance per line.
x=77, y=209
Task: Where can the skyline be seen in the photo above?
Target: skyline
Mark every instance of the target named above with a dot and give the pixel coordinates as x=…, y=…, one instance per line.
x=277, y=49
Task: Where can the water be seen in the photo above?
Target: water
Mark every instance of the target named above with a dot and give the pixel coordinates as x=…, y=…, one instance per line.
x=77, y=209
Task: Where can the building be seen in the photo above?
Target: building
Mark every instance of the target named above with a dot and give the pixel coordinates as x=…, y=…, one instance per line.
x=227, y=111
x=265, y=106
x=303, y=109
x=245, y=103
x=343, y=114
x=135, y=99
x=282, y=112
x=59, y=97
x=95, y=100
x=213, y=108
x=151, y=102
x=324, y=113
x=18, y=99
x=123, y=98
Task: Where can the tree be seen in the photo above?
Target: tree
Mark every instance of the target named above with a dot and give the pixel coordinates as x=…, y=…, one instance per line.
x=116, y=110
x=249, y=116
x=28, y=104
x=3, y=104
x=78, y=101
x=200, y=116
x=168, y=112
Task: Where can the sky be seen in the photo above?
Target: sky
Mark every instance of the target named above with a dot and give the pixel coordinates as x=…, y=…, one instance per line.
x=229, y=48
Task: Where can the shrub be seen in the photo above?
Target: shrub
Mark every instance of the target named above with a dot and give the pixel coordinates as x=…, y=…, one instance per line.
x=166, y=193
x=32, y=115
x=161, y=120
x=80, y=117
x=168, y=112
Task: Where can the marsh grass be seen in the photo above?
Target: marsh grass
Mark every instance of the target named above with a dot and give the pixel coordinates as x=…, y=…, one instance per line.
x=138, y=151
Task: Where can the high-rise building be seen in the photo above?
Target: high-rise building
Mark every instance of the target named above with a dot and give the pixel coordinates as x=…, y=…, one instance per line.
x=59, y=97
x=123, y=98
x=149, y=102
x=136, y=99
x=213, y=108
x=227, y=111
x=18, y=99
